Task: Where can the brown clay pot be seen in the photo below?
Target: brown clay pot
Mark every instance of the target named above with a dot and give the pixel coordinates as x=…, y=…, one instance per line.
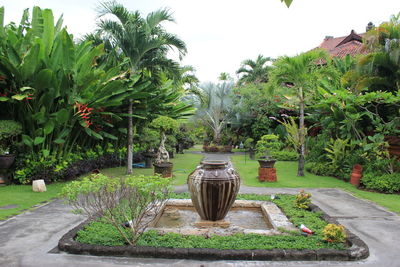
x=164, y=169
x=213, y=187
x=356, y=175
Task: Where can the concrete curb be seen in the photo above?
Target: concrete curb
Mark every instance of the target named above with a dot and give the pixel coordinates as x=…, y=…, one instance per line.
x=357, y=249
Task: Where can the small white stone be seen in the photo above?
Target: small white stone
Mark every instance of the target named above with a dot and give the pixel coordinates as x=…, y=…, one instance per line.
x=38, y=186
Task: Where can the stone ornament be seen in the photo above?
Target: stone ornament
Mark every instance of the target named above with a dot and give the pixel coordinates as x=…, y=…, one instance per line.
x=38, y=186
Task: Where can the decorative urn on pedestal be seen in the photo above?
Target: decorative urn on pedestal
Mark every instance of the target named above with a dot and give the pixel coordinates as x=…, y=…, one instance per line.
x=213, y=187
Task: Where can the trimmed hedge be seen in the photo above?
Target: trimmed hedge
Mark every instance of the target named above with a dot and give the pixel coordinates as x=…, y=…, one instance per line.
x=387, y=183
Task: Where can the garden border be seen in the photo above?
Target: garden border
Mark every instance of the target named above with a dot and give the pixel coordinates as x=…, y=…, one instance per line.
x=357, y=250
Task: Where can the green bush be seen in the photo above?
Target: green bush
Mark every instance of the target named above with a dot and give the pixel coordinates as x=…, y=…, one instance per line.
x=285, y=155
x=134, y=199
x=388, y=183
x=320, y=168
x=267, y=144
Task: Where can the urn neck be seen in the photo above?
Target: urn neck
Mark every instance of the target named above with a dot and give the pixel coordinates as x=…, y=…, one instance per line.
x=214, y=164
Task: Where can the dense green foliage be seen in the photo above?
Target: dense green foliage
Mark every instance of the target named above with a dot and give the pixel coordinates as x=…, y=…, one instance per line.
x=97, y=233
x=9, y=130
x=389, y=183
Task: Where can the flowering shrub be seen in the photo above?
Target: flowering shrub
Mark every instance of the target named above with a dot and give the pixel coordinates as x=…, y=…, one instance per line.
x=334, y=233
x=303, y=200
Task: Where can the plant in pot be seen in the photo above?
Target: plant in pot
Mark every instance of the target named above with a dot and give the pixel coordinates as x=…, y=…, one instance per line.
x=9, y=130
x=149, y=140
x=249, y=145
x=264, y=146
x=165, y=125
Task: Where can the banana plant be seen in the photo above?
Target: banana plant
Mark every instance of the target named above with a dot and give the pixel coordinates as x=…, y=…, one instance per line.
x=55, y=88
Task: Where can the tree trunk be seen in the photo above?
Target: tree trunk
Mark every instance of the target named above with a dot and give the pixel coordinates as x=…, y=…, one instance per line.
x=300, y=168
x=130, y=140
x=217, y=137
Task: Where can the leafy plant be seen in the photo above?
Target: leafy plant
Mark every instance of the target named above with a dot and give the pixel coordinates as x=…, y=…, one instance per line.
x=136, y=200
x=249, y=143
x=285, y=155
x=267, y=144
x=334, y=233
x=338, y=150
x=8, y=131
x=388, y=183
x=303, y=200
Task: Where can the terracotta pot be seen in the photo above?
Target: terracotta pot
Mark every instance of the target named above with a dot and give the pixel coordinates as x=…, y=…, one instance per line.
x=6, y=161
x=356, y=175
x=213, y=187
x=164, y=169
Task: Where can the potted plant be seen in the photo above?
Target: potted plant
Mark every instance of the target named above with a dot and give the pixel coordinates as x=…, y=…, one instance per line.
x=9, y=130
x=267, y=143
x=149, y=139
x=249, y=145
x=162, y=164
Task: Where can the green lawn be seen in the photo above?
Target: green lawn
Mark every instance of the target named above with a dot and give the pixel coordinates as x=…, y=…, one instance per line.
x=286, y=173
x=184, y=164
x=24, y=197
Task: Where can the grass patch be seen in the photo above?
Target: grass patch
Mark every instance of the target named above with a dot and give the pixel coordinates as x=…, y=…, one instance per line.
x=184, y=164
x=24, y=197
x=287, y=177
x=101, y=233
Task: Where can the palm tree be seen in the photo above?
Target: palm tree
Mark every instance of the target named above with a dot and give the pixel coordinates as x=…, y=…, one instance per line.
x=299, y=73
x=144, y=41
x=224, y=76
x=254, y=71
x=214, y=108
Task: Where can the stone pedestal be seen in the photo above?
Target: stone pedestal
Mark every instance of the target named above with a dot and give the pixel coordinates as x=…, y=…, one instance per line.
x=267, y=174
x=38, y=186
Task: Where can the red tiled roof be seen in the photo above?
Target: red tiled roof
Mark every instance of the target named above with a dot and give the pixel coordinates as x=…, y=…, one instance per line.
x=345, y=45
x=350, y=48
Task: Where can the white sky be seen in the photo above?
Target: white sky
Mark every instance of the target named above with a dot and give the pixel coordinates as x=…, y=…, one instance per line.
x=220, y=34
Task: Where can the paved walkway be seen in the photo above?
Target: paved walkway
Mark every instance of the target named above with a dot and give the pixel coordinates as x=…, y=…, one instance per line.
x=27, y=239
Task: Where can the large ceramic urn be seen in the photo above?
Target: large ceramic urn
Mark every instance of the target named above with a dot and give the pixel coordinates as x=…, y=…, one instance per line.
x=213, y=187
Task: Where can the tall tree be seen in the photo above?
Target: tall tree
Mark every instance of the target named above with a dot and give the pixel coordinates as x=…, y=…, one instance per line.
x=299, y=74
x=256, y=71
x=144, y=41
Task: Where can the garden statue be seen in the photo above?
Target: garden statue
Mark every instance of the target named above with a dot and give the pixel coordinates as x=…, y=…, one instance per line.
x=164, y=125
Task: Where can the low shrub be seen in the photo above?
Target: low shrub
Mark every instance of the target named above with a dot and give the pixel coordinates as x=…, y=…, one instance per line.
x=387, y=183
x=334, y=233
x=285, y=155
x=303, y=200
x=135, y=200
x=52, y=168
x=320, y=168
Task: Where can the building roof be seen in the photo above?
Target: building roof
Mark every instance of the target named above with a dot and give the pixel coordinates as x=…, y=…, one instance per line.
x=345, y=45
